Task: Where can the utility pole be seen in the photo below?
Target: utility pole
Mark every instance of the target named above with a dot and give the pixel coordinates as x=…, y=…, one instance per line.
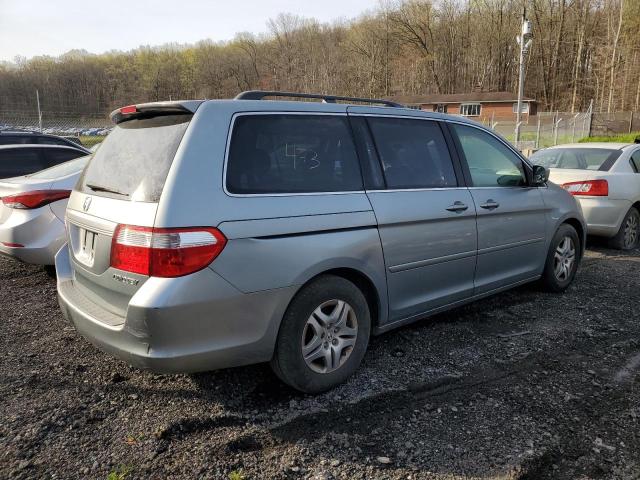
x=39, y=111
x=524, y=40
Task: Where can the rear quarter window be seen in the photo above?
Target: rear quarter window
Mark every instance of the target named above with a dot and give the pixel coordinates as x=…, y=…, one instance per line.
x=284, y=153
x=635, y=161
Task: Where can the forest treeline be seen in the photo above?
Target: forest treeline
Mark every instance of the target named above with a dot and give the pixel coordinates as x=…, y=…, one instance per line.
x=582, y=50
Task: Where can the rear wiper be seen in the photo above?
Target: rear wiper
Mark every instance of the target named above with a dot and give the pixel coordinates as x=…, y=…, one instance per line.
x=99, y=188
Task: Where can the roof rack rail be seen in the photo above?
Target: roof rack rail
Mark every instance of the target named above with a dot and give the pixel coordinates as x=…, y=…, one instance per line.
x=261, y=94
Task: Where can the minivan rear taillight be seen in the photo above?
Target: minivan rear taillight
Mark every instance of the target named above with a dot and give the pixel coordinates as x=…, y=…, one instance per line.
x=165, y=252
x=595, y=188
x=35, y=198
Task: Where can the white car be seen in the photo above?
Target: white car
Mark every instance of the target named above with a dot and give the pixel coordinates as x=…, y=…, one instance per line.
x=32, y=212
x=605, y=178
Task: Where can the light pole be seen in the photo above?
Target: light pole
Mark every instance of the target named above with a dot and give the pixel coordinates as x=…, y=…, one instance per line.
x=524, y=40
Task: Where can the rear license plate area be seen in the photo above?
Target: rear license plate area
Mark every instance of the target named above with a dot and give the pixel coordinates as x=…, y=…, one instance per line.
x=86, y=251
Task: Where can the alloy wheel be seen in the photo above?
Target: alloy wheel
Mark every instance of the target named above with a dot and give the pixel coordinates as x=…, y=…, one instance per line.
x=329, y=336
x=631, y=231
x=564, y=259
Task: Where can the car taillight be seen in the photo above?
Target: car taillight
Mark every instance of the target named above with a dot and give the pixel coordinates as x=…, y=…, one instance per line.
x=12, y=245
x=35, y=199
x=165, y=252
x=596, y=188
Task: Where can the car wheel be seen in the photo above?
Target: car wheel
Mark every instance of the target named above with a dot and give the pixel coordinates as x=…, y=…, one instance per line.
x=628, y=237
x=323, y=336
x=562, y=259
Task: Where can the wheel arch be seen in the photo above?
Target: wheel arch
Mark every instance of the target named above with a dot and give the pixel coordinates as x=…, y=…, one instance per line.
x=375, y=300
x=579, y=227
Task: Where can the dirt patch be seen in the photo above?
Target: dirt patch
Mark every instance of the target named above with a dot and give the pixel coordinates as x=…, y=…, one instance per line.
x=523, y=385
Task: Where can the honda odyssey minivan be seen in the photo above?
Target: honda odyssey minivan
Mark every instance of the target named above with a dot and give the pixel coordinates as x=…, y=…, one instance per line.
x=212, y=234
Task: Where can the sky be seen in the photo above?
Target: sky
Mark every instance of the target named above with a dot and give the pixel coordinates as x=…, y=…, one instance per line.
x=52, y=27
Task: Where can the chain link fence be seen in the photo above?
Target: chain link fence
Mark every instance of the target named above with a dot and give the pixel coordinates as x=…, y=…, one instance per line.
x=544, y=129
x=90, y=128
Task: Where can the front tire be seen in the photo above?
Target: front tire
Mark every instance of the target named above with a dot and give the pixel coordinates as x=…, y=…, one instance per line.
x=628, y=237
x=323, y=336
x=562, y=259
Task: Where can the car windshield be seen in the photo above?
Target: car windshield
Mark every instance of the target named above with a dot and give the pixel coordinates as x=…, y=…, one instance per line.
x=62, y=170
x=577, y=158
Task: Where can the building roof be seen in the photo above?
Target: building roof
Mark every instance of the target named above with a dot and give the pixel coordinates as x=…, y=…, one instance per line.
x=458, y=98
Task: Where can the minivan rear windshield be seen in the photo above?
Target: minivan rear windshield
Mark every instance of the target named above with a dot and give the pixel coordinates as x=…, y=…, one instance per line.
x=577, y=158
x=133, y=161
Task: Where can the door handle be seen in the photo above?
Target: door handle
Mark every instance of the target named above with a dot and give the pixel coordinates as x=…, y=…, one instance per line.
x=490, y=205
x=457, y=207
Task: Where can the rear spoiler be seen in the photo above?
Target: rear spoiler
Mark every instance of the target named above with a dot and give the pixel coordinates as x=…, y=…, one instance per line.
x=149, y=110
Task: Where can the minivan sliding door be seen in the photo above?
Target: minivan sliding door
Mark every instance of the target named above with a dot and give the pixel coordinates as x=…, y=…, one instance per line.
x=426, y=217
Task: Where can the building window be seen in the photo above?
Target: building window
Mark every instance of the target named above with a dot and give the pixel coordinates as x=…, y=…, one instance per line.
x=414, y=107
x=440, y=108
x=523, y=109
x=470, y=109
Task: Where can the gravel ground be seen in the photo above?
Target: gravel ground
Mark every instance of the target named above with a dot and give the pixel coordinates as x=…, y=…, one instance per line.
x=524, y=385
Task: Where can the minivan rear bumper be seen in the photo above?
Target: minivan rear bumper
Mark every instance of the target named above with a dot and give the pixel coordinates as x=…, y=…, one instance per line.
x=195, y=323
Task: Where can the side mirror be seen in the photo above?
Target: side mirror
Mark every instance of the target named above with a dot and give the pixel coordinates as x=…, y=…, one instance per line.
x=540, y=176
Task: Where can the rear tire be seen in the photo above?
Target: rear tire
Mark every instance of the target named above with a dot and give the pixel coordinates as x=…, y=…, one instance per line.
x=562, y=259
x=323, y=336
x=628, y=237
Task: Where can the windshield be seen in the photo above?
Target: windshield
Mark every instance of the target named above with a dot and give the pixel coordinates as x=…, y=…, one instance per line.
x=62, y=170
x=576, y=158
x=132, y=163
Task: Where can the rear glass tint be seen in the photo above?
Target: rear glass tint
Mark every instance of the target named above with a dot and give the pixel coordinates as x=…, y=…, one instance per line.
x=17, y=139
x=62, y=170
x=56, y=156
x=52, y=141
x=16, y=162
x=414, y=153
x=280, y=153
x=133, y=161
x=577, y=158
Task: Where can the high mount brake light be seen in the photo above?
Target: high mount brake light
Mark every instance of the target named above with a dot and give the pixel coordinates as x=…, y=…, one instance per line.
x=165, y=252
x=594, y=188
x=34, y=199
x=128, y=109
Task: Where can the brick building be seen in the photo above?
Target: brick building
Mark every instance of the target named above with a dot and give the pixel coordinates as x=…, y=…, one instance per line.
x=477, y=105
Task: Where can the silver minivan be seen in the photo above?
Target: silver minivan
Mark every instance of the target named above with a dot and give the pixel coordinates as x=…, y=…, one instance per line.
x=212, y=234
